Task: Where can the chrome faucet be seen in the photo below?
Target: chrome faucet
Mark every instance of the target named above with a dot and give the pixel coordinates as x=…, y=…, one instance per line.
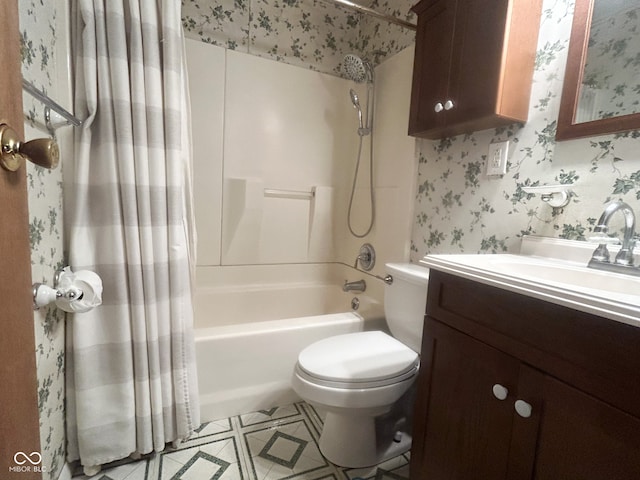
x=624, y=259
x=358, y=286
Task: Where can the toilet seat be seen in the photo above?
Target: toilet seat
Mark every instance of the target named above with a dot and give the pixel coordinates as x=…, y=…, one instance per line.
x=357, y=361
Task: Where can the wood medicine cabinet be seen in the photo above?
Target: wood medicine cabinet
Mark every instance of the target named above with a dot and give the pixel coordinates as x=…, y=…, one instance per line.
x=473, y=65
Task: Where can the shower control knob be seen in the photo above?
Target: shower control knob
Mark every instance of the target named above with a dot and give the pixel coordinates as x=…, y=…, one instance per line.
x=448, y=105
x=438, y=108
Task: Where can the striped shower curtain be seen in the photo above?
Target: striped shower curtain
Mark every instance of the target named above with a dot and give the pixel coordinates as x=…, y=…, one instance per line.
x=131, y=378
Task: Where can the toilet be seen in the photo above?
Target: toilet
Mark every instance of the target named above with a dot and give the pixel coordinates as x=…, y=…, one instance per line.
x=362, y=380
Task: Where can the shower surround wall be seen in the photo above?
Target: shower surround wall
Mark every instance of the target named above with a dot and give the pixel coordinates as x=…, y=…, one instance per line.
x=263, y=129
x=279, y=127
x=459, y=209
x=276, y=133
x=44, y=49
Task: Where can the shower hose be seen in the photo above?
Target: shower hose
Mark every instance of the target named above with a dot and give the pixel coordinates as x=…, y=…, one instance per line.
x=353, y=189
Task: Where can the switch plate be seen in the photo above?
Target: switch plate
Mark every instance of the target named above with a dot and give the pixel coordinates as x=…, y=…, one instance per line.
x=497, y=158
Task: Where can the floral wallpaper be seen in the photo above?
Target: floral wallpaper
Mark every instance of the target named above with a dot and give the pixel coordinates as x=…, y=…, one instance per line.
x=38, y=40
x=612, y=69
x=314, y=34
x=459, y=209
x=378, y=39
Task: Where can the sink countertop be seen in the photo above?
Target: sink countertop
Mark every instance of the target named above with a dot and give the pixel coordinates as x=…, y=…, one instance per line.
x=564, y=281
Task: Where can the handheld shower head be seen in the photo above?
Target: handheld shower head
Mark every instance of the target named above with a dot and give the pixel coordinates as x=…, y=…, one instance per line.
x=354, y=98
x=356, y=105
x=356, y=69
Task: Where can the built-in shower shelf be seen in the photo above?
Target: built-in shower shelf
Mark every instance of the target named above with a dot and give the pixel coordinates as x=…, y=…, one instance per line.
x=292, y=194
x=266, y=225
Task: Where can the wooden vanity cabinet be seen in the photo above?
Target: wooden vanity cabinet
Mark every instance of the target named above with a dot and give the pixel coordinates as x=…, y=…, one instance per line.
x=473, y=65
x=486, y=351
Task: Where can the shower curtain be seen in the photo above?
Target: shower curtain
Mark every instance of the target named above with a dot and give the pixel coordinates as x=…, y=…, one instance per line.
x=131, y=378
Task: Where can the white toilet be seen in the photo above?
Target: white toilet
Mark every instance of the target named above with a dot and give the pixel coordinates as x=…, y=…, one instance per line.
x=360, y=378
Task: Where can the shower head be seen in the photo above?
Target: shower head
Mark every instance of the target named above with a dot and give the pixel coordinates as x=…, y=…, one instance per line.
x=356, y=69
x=356, y=105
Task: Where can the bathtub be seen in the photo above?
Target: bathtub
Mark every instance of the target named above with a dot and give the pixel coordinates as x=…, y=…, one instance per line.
x=252, y=321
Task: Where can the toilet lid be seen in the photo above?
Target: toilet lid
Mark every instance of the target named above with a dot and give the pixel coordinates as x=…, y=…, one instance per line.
x=357, y=357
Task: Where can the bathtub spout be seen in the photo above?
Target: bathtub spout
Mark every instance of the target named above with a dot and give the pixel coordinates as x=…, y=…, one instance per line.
x=359, y=286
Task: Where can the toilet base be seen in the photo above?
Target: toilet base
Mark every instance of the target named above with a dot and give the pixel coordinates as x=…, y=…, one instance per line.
x=360, y=441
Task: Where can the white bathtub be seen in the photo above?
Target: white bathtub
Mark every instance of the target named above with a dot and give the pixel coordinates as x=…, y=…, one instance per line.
x=252, y=321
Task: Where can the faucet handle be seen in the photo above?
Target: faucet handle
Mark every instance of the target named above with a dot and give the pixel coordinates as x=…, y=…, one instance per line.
x=625, y=255
x=601, y=254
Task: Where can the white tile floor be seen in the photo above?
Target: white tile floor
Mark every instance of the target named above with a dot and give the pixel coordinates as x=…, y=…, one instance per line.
x=275, y=444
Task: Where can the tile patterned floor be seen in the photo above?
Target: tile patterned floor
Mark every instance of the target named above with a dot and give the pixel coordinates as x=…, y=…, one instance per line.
x=276, y=444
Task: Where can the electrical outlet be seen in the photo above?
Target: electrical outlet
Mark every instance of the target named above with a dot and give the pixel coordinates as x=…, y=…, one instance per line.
x=497, y=159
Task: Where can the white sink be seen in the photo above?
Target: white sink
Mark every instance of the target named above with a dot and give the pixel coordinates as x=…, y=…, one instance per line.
x=565, y=274
x=611, y=295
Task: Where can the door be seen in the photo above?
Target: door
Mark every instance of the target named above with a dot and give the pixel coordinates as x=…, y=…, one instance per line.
x=436, y=20
x=583, y=438
x=476, y=60
x=462, y=429
x=19, y=422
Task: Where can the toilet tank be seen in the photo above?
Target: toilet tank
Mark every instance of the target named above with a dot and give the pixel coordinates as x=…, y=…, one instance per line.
x=405, y=301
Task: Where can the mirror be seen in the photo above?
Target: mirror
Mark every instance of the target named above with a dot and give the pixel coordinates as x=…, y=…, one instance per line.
x=601, y=92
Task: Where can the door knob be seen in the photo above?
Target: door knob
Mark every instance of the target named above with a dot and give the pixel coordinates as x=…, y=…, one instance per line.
x=500, y=392
x=448, y=105
x=438, y=107
x=523, y=408
x=42, y=151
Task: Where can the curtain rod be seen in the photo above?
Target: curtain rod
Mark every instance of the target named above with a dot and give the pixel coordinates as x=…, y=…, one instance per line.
x=373, y=13
x=38, y=95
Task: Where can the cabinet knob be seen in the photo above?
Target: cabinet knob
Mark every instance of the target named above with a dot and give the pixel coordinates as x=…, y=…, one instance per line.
x=523, y=408
x=500, y=392
x=438, y=108
x=448, y=105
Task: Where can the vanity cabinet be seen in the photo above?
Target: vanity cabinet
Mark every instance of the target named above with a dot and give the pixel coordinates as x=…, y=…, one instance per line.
x=512, y=387
x=473, y=65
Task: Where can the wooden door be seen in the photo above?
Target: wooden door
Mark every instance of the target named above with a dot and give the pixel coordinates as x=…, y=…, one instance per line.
x=476, y=60
x=19, y=431
x=461, y=430
x=583, y=438
x=431, y=63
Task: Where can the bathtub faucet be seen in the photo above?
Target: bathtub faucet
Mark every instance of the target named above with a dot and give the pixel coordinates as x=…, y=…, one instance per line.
x=359, y=286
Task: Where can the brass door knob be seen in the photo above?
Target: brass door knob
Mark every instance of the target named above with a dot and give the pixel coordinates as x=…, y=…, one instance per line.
x=42, y=151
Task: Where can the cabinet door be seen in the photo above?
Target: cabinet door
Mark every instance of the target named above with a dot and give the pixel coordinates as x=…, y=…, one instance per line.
x=476, y=60
x=582, y=438
x=461, y=430
x=431, y=64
